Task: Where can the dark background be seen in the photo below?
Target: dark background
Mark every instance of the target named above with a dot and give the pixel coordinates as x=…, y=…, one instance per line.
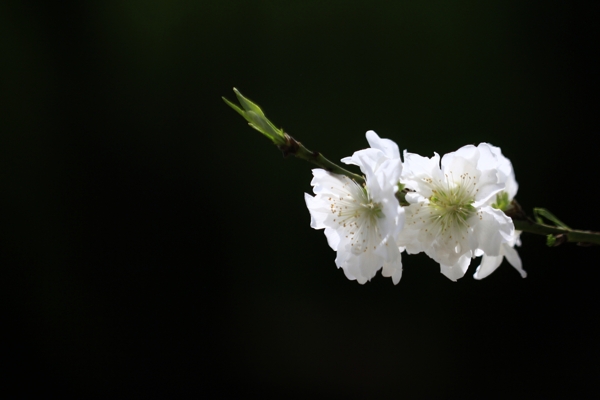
x=154, y=245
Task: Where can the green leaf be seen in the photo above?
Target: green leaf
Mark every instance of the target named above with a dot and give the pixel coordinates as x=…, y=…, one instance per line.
x=542, y=212
x=236, y=108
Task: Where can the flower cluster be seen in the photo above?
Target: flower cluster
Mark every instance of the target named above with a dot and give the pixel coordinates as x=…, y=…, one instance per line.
x=452, y=210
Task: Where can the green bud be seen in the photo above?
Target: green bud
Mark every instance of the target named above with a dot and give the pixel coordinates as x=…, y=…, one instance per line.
x=257, y=119
x=247, y=104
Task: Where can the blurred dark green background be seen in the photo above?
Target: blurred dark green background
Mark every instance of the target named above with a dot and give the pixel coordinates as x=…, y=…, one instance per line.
x=153, y=244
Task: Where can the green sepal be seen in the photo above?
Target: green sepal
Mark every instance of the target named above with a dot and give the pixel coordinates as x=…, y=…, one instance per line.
x=502, y=202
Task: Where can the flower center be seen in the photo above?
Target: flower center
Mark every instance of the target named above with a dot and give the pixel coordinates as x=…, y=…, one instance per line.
x=451, y=203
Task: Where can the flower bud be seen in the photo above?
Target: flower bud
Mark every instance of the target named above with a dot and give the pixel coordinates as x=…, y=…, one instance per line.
x=257, y=119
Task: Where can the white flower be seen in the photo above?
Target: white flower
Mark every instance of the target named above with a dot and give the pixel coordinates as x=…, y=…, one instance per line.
x=362, y=223
x=506, y=175
x=450, y=216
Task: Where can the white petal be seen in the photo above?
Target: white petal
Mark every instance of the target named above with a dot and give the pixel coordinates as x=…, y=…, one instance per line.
x=492, y=158
x=513, y=258
x=317, y=218
x=361, y=267
x=393, y=270
x=488, y=187
x=387, y=146
x=491, y=228
x=328, y=183
x=487, y=266
x=365, y=156
x=487, y=156
x=414, y=197
x=418, y=171
x=394, y=216
x=333, y=238
x=456, y=271
x=468, y=153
